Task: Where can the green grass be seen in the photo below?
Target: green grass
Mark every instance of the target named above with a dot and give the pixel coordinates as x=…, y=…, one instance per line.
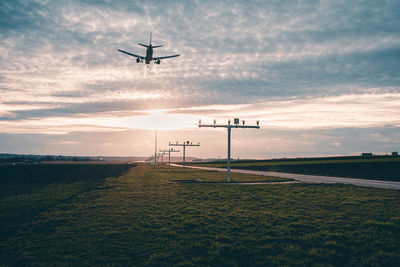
x=142, y=219
x=221, y=177
x=28, y=190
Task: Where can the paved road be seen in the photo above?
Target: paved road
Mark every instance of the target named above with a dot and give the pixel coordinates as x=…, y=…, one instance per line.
x=311, y=178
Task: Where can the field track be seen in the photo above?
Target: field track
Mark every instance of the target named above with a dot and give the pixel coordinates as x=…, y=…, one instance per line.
x=312, y=178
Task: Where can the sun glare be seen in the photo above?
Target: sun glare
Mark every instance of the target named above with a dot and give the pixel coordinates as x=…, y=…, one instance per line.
x=155, y=120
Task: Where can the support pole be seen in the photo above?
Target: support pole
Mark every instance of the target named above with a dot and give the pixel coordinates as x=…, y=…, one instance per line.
x=184, y=149
x=165, y=151
x=229, y=154
x=155, y=150
x=184, y=145
x=229, y=126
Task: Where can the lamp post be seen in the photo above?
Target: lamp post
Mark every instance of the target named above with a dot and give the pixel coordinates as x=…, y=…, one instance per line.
x=162, y=155
x=229, y=126
x=155, y=149
x=184, y=145
x=171, y=150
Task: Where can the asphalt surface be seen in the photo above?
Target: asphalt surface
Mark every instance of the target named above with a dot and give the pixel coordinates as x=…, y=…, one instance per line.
x=311, y=178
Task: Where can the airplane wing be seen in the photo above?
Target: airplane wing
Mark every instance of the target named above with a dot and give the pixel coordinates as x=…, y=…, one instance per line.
x=157, y=58
x=122, y=51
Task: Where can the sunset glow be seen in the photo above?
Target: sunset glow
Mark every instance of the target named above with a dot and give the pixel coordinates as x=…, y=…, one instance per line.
x=322, y=79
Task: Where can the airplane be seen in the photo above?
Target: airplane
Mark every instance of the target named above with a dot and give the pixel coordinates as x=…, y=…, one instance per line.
x=149, y=54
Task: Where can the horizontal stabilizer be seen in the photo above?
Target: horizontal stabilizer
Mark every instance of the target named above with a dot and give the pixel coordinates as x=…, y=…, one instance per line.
x=143, y=45
x=157, y=46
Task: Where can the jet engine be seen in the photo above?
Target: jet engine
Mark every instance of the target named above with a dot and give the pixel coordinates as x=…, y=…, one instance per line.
x=137, y=60
x=158, y=62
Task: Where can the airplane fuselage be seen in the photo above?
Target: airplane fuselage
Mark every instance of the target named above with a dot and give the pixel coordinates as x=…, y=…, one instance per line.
x=149, y=54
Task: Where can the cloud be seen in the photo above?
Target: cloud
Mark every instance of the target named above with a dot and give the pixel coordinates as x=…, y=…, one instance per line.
x=251, y=143
x=346, y=111
x=292, y=64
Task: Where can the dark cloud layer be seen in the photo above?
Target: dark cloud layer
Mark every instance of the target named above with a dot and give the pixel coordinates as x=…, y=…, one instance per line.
x=60, y=58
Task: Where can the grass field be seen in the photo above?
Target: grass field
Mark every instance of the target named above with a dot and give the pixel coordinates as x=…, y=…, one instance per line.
x=375, y=168
x=141, y=218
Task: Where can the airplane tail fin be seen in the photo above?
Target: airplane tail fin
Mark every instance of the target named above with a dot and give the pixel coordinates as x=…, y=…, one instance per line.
x=154, y=46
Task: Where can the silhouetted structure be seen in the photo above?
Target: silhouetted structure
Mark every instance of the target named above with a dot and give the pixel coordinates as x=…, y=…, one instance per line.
x=184, y=144
x=229, y=126
x=149, y=54
x=169, y=153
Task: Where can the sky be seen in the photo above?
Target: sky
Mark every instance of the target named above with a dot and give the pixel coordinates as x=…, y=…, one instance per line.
x=322, y=77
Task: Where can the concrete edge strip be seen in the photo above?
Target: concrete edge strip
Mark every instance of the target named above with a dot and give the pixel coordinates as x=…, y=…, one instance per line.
x=311, y=178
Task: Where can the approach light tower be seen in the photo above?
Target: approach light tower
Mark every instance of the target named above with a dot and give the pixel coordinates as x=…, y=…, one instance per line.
x=162, y=155
x=155, y=149
x=184, y=144
x=229, y=126
x=171, y=150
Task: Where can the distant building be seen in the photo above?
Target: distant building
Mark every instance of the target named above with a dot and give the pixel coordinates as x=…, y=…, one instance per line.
x=366, y=154
x=395, y=153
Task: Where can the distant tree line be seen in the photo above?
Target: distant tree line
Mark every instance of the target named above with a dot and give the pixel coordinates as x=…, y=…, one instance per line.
x=9, y=158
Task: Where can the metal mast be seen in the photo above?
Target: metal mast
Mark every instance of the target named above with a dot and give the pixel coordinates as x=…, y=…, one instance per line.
x=155, y=149
x=229, y=126
x=184, y=144
x=169, y=153
x=161, y=153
